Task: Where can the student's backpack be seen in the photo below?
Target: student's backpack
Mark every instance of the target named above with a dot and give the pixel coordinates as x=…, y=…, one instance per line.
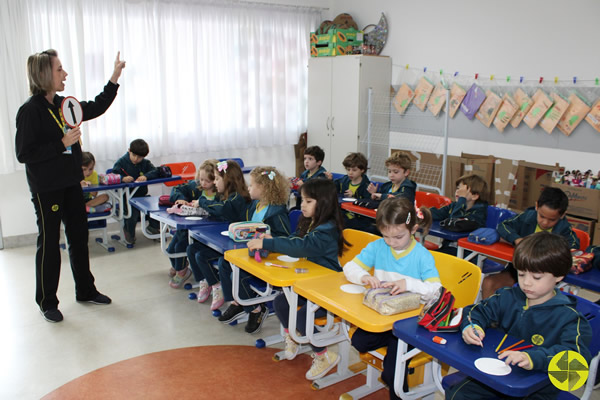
x=164, y=171
x=459, y=224
x=484, y=236
x=439, y=314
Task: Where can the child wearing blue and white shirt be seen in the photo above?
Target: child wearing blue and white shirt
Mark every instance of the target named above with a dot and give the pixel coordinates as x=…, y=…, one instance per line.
x=400, y=263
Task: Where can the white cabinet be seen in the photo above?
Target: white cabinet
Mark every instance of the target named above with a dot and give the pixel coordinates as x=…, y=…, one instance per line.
x=337, y=102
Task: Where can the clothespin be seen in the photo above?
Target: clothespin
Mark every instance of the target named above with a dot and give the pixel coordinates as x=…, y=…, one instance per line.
x=406, y=66
x=574, y=80
x=456, y=73
x=492, y=77
x=596, y=81
x=521, y=80
x=476, y=76
x=541, y=79
x=441, y=71
x=556, y=79
x=424, y=69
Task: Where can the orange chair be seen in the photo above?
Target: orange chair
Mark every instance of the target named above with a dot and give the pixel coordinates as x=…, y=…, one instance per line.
x=431, y=199
x=584, y=238
x=187, y=171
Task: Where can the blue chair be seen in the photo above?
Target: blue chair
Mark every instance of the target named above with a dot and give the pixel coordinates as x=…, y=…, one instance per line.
x=335, y=175
x=294, y=217
x=591, y=312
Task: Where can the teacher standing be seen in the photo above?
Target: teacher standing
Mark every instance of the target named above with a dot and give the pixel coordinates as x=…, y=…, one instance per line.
x=51, y=153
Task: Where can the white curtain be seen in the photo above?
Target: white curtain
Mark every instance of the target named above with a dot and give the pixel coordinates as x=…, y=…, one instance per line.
x=201, y=75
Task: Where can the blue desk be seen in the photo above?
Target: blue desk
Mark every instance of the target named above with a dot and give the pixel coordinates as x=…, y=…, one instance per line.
x=175, y=221
x=440, y=232
x=146, y=205
x=211, y=236
x=461, y=356
x=589, y=280
x=116, y=192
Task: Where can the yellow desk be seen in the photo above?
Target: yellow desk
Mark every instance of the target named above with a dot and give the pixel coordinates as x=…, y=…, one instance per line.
x=325, y=292
x=283, y=278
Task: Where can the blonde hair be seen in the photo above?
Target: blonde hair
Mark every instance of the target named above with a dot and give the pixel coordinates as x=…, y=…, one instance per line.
x=276, y=187
x=39, y=72
x=208, y=166
x=400, y=159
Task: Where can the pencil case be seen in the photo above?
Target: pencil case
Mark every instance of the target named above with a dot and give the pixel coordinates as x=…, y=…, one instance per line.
x=245, y=231
x=384, y=303
x=582, y=261
x=186, y=211
x=109, y=179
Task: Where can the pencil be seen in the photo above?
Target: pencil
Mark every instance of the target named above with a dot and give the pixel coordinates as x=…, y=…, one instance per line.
x=510, y=347
x=474, y=330
x=501, y=342
x=523, y=347
x=124, y=172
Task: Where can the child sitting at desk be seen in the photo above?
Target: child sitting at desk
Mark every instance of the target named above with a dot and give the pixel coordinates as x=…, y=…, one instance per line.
x=533, y=311
x=93, y=201
x=269, y=191
x=133, y=166
x=188, y=193
x=398, y=166
x=231, y=207
x=400, y=263
x=313, y=158
x=547, y=215
x=319, y=239
x=471, y=203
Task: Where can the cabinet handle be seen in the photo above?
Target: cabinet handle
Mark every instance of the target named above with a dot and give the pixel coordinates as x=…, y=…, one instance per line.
x=327, y=123
x=332, y=119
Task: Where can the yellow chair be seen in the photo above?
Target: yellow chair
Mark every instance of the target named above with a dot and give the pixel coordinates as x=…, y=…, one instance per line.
x=460, y=277
x=359, y=240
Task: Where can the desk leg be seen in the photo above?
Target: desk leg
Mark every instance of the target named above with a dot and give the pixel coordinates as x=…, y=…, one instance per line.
x=460, y=252
x=402, y=357
x=144, y=228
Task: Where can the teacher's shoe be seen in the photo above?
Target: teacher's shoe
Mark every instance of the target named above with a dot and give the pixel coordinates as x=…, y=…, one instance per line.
x=322, y=364
x=53, y=315
x=98, y=299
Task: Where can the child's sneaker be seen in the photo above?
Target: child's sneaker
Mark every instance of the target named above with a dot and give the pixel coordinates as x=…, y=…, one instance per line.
x=233, y=312
x=203, y=291
x=256, y=319
x=291, y=347
x=217, y=297
x=172, y=272
x=129, y=238
x=178, y=280
x=322, y=364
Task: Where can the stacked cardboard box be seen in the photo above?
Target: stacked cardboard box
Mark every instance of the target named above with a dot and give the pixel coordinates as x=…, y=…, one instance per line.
x=584, y=209
x=335, y=42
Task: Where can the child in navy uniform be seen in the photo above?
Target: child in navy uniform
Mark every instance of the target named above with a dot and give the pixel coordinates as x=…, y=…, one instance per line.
x=94, y=202
x=313, y=158
x=398, y=166
x=471, y=203
x=547, y=215
x=533, y=311
x=133, y=166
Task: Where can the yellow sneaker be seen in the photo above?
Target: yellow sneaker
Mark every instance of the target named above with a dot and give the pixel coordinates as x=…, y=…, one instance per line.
x=291, y=347
x=322, y=364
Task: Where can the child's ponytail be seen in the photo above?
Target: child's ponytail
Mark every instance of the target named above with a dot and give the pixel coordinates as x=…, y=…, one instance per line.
x=399, y=210
x=424, y=219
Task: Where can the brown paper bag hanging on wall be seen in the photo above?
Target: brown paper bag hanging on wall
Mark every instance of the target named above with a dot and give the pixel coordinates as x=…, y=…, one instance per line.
x=437, y=100
x=524, y=103
x=593, y=117
x=575, y=113
x=457, y=94
x=507, y=110
x=541, y=103
x=554, y=114
x=403, y=98
x=422, y=93
x=489, y=108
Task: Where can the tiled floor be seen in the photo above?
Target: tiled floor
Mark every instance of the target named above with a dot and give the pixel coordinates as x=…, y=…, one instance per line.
x=146, y=316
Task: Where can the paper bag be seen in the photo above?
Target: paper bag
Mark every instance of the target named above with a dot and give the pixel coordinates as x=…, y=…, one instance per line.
x=403, y=98
x=541, y=103
x=507, y=110
x=472, y=101
x=575, y=113
x=457, y=94
x=422, y=93
x=554, y=114
x=489, y=108
x=437, y=99
x=524, y=102
x=593, y=117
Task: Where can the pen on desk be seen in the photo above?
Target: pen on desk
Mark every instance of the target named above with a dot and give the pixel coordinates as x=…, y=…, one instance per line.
x=501, y=342
x=510, y=347
x=474, y=330
x=270, y=264
x=522, y=347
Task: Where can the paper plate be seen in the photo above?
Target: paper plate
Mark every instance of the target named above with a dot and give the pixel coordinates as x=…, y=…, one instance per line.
x=492, y=366
x=287, y=259
x=349, y=199
x=352, y=288
x=193, y=218
x=225, y=233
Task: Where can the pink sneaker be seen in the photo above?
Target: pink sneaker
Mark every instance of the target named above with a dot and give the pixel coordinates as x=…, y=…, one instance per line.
x=172, y=272
x=178, y=280
x=203, y=291
x=217, y=297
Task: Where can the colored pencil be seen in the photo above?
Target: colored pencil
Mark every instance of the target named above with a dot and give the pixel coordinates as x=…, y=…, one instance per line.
x=523, y=347
x=474, y=330
x=510, y=347
x=501, y=342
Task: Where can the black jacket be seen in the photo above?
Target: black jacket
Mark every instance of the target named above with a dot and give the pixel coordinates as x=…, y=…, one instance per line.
x=39, y=146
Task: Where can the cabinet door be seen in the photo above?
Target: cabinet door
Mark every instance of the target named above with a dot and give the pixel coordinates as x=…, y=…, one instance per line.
x=319, y=105
x=345, y=111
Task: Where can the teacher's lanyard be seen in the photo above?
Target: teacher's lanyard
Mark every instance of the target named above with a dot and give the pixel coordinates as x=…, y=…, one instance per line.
x=62, y=123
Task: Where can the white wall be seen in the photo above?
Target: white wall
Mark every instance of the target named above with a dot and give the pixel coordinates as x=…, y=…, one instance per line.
x=508, y=38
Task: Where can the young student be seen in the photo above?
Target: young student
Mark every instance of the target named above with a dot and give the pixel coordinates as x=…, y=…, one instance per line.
x=533, y=311
x=133, y=166
x=231, y=207
x=400, y=263
x=188, y=194
x=471, y=203
x=319, y=239
x=547, y=215
x=313, y=158
x=269, y=191
x=94, y=202
x=398, y=166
